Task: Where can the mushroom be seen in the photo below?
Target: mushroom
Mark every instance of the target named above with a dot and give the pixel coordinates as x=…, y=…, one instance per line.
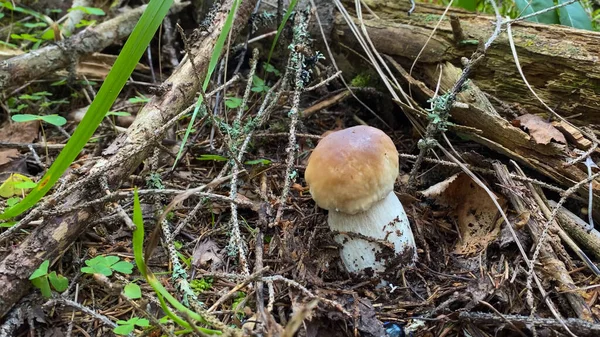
x=351, y=173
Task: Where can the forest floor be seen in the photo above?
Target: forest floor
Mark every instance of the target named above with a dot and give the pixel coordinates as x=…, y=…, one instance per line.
x=253, y=247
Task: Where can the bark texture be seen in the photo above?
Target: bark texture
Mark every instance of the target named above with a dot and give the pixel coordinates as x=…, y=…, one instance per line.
x=55, y=234
x=561, y=63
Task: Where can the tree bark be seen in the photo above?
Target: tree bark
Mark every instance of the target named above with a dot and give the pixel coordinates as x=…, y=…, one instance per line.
x=561, y=63
x=55, y=234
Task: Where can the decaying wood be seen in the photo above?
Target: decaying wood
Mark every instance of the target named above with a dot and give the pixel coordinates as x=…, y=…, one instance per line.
x=576, y=228
x=55, y=234
x=548, y=60
x=550, y=263
x=561, y=63
x=37, y=63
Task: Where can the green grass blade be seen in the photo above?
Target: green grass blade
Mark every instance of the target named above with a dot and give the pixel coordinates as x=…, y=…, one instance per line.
x=286, y=17
x=214, y=59
x=138, y=235
x=138, y=255
x=115, y=81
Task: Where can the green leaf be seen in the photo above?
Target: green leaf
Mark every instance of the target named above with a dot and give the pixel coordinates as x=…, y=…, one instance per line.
x=214, y=157
x=110, y=260
x=27, y=37
x=258, y=161
x=118, y=113
x=526, y=7
x=26, y=185
x=131, y=53
x=233, y=102
x=88, y=10
x=12, y=201
x=24, y=118
x=470, y=5
x=132, y=291
x=123, y=267
x=42, y=284
x=9, y=186
x=271, y=69
x=140, y=321
x=48, y=35
x=7, y=224
x=35, y=24
x=138, y=235
x=139, y=99
x=123, y=329
x=103, y=269
x=574, y=15
x=42, y=270
x=54, y=120
x=59, y=282
x=88, y=270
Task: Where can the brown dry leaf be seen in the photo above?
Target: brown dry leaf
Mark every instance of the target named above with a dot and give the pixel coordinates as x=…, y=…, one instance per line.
x=475, y=212
x=23, y=133
x=541, y=131
x=97, y=66
x=207, y=255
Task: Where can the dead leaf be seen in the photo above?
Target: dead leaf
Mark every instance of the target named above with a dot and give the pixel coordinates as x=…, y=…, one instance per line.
x=207, y=255
x=541, y=131
x=475, y=212
x=23, y=133
x=97, y=66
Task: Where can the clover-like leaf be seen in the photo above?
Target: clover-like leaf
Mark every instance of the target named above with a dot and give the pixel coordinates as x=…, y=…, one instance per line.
x=123, y=267
x=59, y=282
x=41, y=271
x=132, y=291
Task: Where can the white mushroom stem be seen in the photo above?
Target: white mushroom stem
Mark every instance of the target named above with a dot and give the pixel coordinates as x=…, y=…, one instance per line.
x=386, y=221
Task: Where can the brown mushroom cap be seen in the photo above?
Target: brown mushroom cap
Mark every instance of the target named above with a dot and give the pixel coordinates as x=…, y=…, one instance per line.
x=351, y=169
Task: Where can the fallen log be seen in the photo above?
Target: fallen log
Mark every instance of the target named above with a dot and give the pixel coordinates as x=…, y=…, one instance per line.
x=552, y=58
x=56, y=233
x=561, y=63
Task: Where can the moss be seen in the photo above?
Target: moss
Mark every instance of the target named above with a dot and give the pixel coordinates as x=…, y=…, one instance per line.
x=362, y=80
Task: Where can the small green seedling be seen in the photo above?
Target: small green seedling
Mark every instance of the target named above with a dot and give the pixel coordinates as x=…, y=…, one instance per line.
x=234, y=103
x=258, y=84
x=50, y=119
x=105, y=265
x=271, y=69
x=201, y=285
x=88, y=10
x=16, y=185
x=213, y=157
x=258, y=162
x=132, y=291
x=126, y=327
x=139, y=99
x=42, y=280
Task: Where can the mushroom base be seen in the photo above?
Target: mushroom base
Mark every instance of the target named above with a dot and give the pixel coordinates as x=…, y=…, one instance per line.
x=376, y=239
